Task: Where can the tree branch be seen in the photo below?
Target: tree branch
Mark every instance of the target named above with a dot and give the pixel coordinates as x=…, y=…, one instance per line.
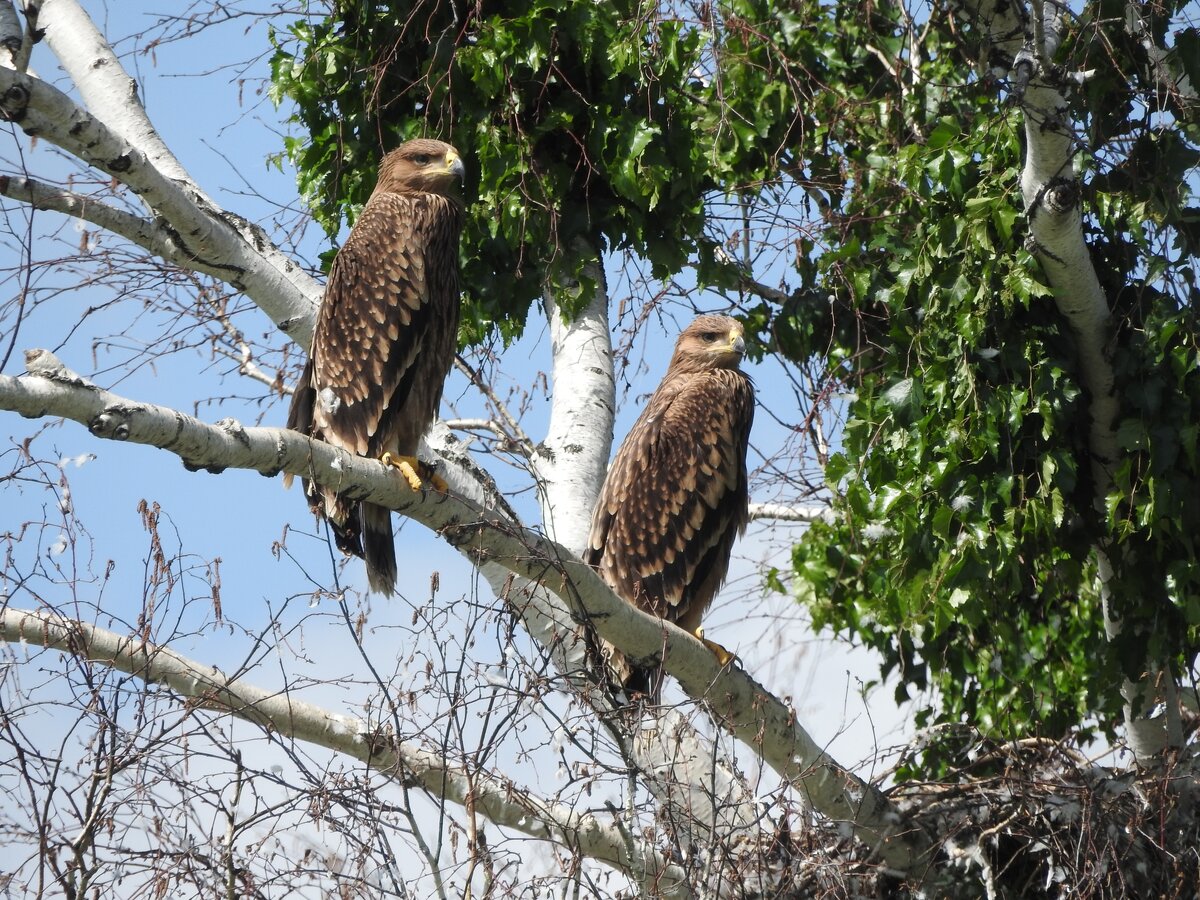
x=782, y=512
x=763, y=722
x=501, y=800
x=107, y=90
x=135, y=229
x=209, y=238
x=11, y=37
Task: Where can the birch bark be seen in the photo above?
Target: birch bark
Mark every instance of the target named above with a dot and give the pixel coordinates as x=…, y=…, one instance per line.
x=1029, y=37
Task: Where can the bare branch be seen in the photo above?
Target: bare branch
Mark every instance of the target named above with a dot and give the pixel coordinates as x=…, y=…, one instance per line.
x=106, y=88
x=763, y=722
x=211, y=239
x=782, y=512
x=501, y=800
x=515, y=433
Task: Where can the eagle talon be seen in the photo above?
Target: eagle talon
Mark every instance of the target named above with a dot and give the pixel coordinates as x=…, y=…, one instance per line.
x=434, y=480
x=407, y=466
x=724, y=657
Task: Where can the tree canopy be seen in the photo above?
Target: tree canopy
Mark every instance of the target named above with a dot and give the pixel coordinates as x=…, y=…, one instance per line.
x=966, y=509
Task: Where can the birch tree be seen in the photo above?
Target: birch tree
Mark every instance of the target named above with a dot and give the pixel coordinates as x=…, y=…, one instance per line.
x=843, y=179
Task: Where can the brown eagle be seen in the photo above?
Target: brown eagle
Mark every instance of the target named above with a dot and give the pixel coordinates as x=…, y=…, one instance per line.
x=385, y=338
x=675, y=496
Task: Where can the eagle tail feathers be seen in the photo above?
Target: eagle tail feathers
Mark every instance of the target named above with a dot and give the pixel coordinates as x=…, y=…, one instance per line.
x=378, y=548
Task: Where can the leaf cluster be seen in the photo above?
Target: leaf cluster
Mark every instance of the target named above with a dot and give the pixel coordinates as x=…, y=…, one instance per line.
x=586, y=127
x=963, y=553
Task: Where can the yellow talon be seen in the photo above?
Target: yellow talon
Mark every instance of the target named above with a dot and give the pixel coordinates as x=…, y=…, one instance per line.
x=724, y=657
x=407, y=466
x=432, y=478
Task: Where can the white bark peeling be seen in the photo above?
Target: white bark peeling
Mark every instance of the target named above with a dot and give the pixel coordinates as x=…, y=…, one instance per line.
x=497, y=798
x=761, y=721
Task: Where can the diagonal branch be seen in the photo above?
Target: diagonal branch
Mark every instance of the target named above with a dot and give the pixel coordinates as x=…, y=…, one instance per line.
x=108, y=91
x=147, y=234
x=769, y=727
x=501, y=800
x=194, y=228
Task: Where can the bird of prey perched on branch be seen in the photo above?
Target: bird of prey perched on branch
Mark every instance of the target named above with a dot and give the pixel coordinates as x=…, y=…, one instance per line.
x=676, y=496
x=385, y=339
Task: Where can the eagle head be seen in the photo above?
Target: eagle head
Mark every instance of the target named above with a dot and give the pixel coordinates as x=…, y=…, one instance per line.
x=421, y=166
x=710, y=342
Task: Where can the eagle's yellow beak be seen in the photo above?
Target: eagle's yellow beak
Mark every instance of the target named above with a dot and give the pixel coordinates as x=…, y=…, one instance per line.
x=454, y=165
x=737, y=343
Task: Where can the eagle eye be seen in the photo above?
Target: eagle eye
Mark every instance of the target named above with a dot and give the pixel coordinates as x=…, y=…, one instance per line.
x=421, y=159
x=709, y=336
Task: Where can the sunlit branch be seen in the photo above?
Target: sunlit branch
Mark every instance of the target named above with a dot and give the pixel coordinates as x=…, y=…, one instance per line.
x=106, y=88
x=490, y=425
x=135, y=229
x=14, y=50
x=209, y=238
x=499, y=799
x=783, y=512
x=764, y=723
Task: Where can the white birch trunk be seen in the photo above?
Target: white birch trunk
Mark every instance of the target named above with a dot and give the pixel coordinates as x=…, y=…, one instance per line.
x=572, y=460
x=1051, y=190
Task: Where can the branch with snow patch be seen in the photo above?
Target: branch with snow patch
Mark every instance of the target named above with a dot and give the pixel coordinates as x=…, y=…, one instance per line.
x=765, y=724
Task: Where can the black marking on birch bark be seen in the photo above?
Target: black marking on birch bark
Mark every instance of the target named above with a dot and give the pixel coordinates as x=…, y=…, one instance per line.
x=1033, y=246
x=14, y=104
x=280, y=454
x=198, y=466
x=1060, y=194
x=112, y=423
x=288, y=324
x=196, y=259
x=234, y=429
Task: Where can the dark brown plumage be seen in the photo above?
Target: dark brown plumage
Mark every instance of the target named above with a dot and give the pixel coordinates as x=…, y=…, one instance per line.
x=385, y=338
x=676, y=496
